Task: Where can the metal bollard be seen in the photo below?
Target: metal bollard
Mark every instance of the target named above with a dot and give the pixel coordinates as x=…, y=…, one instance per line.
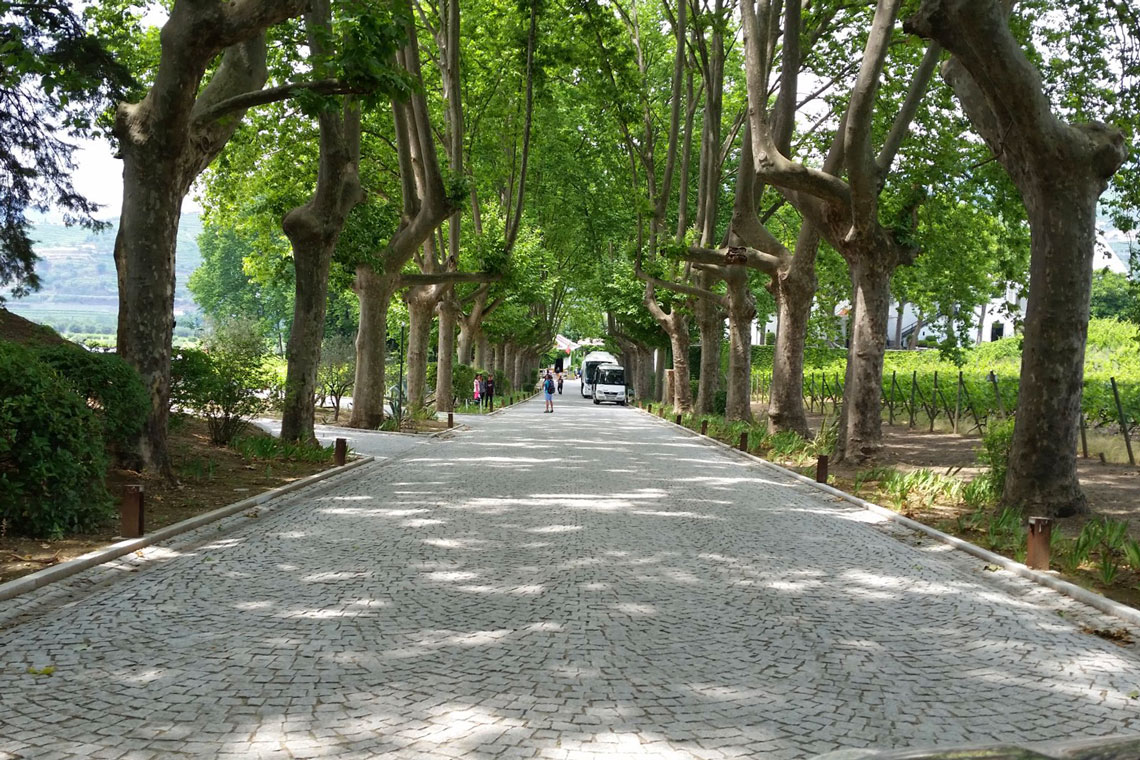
x=704, y=427
x=821, y=469
x=677, y=420
x=450, y=420
x=1037, y=543
x=131, y=523
x=340, y=453
x=744, y=441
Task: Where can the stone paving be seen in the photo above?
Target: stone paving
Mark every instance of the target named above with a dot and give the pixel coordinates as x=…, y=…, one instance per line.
x=587, y=584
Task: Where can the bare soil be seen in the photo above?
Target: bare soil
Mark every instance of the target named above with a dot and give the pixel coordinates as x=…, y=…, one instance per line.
x=208, y=477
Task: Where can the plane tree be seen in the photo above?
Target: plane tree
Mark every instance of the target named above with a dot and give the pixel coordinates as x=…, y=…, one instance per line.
x=1061, y=163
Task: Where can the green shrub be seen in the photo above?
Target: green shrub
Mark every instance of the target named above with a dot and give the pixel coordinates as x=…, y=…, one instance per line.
x=268, y=447
x=226, y=383
x=996, y=445
x=52, y=458
x=111, y=387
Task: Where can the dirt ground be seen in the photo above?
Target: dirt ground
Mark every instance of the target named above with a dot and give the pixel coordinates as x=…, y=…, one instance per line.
x=208, y=476
x=1113, y=490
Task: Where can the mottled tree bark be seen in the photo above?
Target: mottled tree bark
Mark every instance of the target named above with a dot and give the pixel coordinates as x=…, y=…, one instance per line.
x=166, y=140
x=445, y=353
x=861, y=428
x=421, y=300
x=1061, y=171
x=375, y=292
x=313, y=230
x=741, y=312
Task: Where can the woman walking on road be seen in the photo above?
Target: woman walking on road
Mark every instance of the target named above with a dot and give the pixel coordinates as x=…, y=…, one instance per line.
x=475, y=388
x=559, y=383
x=548, y=393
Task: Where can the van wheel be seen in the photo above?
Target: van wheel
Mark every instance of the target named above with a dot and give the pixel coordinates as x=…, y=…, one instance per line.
x=597, y=402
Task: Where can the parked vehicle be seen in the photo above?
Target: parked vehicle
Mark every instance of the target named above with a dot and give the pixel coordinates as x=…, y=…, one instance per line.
x=609, y=384
x=590, y=363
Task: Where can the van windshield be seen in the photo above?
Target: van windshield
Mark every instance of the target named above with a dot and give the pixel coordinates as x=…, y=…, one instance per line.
x=612, y=376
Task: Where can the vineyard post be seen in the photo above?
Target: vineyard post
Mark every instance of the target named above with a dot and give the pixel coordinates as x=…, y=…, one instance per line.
x=913, y=384
x=997, y=394
x=838, y=397
x=958, y=403
x=811, y=394
x=934, y=402
x=1123, y=422
x=891, y=401
x=1084, y=438
x=823, y=391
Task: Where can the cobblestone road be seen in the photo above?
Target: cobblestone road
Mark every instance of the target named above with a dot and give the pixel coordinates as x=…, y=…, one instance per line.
x=586, y=584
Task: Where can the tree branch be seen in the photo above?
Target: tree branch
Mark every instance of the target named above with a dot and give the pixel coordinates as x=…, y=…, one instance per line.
x=906, y=114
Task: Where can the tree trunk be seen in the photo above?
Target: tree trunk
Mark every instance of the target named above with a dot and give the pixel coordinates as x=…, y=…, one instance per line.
x=144, y=258
x=510, y=351
x=919, y=323
x=1042, y=475
x=899, y=323
x=710, y=323
x=311, y=260
x=659, y=375
x=375, y=293
x=741, y=312
x=1061, y=170
x=421, y=310
x=445, y=354
x=482, y=351
x=861, y=426
x=519, y=369
x=166, y=140
x=682, y=393
x=786, y=399
x=313, y=231
x=466, y=343
x=982, y=324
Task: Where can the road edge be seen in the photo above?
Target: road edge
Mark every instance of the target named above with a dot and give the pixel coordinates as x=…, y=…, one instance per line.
x=1071, y=590
x=49, y=575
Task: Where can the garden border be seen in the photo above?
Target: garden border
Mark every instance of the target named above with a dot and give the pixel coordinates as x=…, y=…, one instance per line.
x=1071, y=590
x=63, y=570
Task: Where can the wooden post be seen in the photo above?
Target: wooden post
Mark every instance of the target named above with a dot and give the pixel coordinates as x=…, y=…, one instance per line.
x=744, y=441
x=811, y=394
x=1123, y=422
x=997, y=394
x=838, y=398
x=958, y=404
x=821, y=469
x=913, y=384
x=1084, y=438
x=340, y=452
x=934, y=402
x=450, y=420
x=891, y=402
x=677, y=419
x=1037, y=543
x=131, y=513
x=704, y=427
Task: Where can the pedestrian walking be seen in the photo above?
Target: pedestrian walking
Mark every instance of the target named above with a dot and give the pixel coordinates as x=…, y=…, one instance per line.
x=559, y=383
x=489, y=395
x=548, y=392
x=482, y=390
x=475, y=389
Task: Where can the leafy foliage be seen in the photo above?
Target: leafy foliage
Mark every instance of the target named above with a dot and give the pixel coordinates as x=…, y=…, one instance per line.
x=226, y=382
x=52, y=460
x=110, y=386
x=54, y=79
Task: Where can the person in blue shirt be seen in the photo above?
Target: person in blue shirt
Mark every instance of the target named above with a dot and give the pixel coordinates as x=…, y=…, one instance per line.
x=548, y=392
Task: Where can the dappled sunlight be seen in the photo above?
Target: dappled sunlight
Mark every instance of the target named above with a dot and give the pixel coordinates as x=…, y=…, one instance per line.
x=554, y=529
x=691, y=515
x=468, y=602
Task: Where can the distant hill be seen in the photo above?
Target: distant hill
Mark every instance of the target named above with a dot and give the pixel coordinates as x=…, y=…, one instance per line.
x=80, y=288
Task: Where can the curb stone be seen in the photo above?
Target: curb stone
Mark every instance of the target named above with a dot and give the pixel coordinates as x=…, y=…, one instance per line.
x=1071, y=590
x=63, y=570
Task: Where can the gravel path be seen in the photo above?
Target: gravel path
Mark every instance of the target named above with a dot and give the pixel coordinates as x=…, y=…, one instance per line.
x=587, y=584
